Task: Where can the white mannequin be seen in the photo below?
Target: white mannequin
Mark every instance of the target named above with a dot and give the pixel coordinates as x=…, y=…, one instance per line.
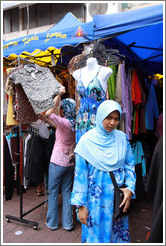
x=89, y=72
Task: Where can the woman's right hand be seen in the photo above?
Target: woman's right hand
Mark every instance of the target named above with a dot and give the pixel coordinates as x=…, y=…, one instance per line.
x=62, y=91
x=83, y=215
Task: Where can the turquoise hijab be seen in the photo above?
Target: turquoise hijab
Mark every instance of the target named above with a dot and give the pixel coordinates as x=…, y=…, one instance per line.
x=104, y=150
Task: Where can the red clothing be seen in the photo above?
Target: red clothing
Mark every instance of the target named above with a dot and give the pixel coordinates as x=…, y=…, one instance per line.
x=135, y=89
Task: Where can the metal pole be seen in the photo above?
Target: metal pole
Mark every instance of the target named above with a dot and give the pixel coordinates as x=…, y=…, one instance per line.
x=27, y=19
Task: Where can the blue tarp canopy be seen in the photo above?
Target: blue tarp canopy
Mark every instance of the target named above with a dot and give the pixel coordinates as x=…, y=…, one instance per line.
x=137, y=33
x=68, y=32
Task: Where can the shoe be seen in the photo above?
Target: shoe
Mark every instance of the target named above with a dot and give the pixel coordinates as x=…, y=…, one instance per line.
x=52, y=229
x=71, y=229
x=40, y=190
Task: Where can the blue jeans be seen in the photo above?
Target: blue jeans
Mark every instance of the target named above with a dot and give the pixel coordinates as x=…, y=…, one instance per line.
x=60, y=176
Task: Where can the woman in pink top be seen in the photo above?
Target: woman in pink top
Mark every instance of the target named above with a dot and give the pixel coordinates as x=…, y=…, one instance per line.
x=61, y=171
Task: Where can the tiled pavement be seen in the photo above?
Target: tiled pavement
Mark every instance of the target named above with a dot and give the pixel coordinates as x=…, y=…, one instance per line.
x=139, y=222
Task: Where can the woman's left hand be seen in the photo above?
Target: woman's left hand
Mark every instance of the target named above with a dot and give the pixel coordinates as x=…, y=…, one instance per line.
x=126, y=200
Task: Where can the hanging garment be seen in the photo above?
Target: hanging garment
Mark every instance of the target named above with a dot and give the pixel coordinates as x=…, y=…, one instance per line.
x=24, y=110
x=141, y=120
x=4, y=94
x=35, y=161
x=10, y=86
x=91, y=97
x=25, y=143
x=112, y=82
x=136, y=99
x=151, y=108
x=10, y=121
x=139, y=156
x=11, y=92
x=72, y=64
x=118, y=95
x=118, y=92
x=48, y=147
x=126, y=101
x=135, y=89
x=39, y=84
x=8, y=171
x=159, y=126
x=15, y=149
x=42, y=128
x=129, y=116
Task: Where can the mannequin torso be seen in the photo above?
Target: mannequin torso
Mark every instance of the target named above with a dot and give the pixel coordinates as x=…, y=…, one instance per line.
x=89, y=72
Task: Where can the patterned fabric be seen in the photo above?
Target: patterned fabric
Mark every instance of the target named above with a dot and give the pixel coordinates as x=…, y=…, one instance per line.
x=24, y=111
x=10, y=91
x=39, y=84
x=10, y=86
x=94, y=189
x=104, y=150
x=91, y=97
x=69, y=111
x=72, y=64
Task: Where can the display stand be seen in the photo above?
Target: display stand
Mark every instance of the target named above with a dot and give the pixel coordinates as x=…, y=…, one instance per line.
x=10, y=217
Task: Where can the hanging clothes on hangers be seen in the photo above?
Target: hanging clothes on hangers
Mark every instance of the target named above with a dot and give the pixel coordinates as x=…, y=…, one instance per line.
x=35, y=160
x=8, y=170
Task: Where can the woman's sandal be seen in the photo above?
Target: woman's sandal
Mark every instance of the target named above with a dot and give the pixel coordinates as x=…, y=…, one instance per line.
x=39, y=191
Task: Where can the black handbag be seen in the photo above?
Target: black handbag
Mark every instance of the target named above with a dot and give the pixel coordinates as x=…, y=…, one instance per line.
x=118, y=198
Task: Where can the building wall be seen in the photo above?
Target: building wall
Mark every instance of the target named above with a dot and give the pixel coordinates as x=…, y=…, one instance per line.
x=100, y=8
x=42, y=16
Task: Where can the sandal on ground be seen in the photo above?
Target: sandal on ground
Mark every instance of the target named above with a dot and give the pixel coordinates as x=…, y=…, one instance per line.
x=39, y=191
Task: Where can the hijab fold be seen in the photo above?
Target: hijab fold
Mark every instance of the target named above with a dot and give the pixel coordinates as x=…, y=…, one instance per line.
x=104, y=150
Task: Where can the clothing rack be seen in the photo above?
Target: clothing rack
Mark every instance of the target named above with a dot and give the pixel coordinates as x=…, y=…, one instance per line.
x=21, y=219
x=103, y=55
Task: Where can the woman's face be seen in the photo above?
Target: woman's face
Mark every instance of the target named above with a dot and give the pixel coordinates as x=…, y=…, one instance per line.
x=111, y=121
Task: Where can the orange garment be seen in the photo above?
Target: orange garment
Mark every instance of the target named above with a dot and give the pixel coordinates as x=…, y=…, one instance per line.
x=9, y=119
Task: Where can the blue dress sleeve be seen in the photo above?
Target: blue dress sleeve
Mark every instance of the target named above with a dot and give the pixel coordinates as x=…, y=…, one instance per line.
x=129, y=167
x=80, y=186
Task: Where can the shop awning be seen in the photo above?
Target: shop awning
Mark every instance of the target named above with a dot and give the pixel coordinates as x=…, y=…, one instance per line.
x=39, y=47
x=137, y=33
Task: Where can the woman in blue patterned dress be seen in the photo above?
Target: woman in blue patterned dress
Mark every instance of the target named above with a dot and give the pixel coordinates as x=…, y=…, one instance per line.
x=99, y=151
x=91, y=88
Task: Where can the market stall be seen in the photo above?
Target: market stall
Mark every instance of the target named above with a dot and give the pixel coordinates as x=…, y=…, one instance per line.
x=122, y=41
